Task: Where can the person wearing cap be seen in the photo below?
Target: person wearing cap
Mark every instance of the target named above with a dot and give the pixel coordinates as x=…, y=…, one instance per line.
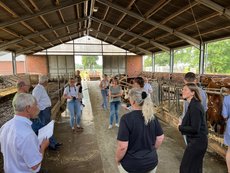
x=139, y=136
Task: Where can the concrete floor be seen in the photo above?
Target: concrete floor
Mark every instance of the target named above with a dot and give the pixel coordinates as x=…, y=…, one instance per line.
x=92, y=151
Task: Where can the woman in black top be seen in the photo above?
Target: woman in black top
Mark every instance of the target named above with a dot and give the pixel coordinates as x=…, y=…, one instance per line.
x=194, y=127
x=139, y=136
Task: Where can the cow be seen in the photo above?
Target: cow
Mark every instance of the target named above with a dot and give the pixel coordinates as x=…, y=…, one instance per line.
x=215, y=102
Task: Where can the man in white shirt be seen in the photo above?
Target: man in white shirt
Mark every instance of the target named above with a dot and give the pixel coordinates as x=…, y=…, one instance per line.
x=19, y=144
x=147, y=87
x=44, y=104
x=43, y=100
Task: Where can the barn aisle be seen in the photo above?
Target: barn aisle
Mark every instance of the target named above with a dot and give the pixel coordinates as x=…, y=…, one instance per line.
x=93, y=150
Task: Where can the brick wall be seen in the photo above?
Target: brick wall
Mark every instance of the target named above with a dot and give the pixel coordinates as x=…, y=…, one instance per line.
x=6, y=67
x=36, y=64
x=134, y=65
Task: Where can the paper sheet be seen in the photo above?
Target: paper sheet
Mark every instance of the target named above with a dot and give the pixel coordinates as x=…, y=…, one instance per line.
x=46, y=131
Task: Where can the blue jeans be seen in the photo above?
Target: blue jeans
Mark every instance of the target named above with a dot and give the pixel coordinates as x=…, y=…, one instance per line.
x=114, y=108
x=74, y=107
x=36, y=125
x=45, y=115
x=104, y=94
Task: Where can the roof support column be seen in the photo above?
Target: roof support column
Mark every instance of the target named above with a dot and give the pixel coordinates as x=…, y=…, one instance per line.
x=171, y=63
x=14, y=63
x=153, y=62
x=201, y=58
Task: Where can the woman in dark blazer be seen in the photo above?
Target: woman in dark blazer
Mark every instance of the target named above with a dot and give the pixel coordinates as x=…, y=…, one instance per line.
x=194, y=127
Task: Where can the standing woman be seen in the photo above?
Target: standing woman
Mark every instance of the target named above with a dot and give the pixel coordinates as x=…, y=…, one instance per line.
x=194, y=127
x=104, y=84
x=73, y=104
x=226, y=115
x=139, y=136
x=115, y=93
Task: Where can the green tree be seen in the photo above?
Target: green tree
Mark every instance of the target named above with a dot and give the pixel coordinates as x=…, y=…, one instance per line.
x=148, y=61
x=89, y=61
x=162, y=59
x=218, y=57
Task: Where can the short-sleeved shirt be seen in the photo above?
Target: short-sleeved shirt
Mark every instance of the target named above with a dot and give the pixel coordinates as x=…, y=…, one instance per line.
x=148, y=88
x=141, y=155
x=71, y=91
x=41, y=95
x=115, y=90
x=104, y=84
x=19, y=145
x=226, y=114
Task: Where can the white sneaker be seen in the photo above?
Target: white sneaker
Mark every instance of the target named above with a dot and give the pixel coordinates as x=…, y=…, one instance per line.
x=110, y=126
x=117, y=125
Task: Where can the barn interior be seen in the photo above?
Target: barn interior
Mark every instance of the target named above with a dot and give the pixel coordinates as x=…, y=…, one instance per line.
x=47, y=33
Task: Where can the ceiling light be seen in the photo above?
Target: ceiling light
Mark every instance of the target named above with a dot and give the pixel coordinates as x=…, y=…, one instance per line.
x=95, y=9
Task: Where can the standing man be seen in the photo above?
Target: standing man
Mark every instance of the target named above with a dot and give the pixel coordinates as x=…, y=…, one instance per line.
x=78, y=77
x=147, y=87
x=43, y=100
x=19, y=144
x=23, y=86
x=44, y=104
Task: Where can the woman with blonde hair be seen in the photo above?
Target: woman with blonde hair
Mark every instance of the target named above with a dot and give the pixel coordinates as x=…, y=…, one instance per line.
x=139, y=136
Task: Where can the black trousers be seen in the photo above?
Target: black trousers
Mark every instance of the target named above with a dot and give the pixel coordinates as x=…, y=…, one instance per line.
x=192, y=161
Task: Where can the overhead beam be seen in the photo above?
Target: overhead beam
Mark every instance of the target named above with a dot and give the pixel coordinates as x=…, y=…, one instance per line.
x=165, y=48
x=45, y=31
x=180, y=35
x=113, y=38
x=122, y=17
x=216, y=7
x=65, y=4
x=47, y=42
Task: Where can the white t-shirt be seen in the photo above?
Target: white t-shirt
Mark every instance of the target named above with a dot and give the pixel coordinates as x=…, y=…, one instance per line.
x=148, y=88
x=71, y=91
x=43, y=100
x=19, y=145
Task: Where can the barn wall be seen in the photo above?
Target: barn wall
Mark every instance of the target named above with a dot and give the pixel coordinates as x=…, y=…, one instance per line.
x=36, y=64
x=134, y=65
x=6, y=67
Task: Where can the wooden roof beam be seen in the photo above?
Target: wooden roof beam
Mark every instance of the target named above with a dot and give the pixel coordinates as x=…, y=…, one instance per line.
x=216, y=7
x=159, y=5
x=180, y=35
x=172, y=16
x=202, y=19
x=121, y=18
x=106, y=12
x=165, y=48
x=113, y=38
x=43, y=12
x=153, y=10
x=34, y=5
x=50, y=41
x=45, y=31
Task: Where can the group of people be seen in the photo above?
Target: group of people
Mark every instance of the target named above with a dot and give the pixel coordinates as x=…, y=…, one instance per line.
x=112, y=92
x=139, y=135
x=21, y=149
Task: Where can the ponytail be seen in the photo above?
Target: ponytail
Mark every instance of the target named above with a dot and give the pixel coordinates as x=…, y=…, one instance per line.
x=143, y=100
